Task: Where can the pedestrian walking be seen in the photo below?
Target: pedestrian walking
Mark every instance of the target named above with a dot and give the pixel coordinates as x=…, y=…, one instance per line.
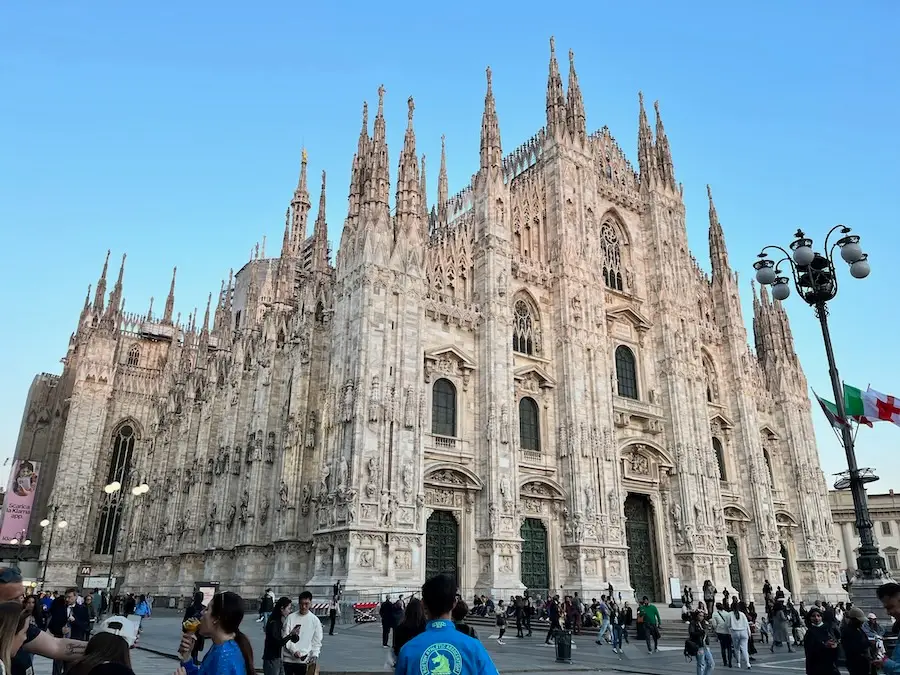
x=780, y=623
x=720, y=625
x=553, y=612
x=413, y=624
x=298, y=655
x=650, y=620
x=501, y=620
x=820, y=646
x=387, y=612
x=603, y=616
x=709, y=596
x=739, y=628
x=441, y=649
x=334, y=608
x=266, y=605
x=699, y=641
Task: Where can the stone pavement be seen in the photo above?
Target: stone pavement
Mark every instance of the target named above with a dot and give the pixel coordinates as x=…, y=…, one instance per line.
x=356, y=648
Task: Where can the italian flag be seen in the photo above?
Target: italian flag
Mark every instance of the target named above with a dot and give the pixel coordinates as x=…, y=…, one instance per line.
x=853, y=407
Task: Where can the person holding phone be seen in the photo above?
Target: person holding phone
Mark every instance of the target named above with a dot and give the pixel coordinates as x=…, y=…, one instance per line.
x=820, y=645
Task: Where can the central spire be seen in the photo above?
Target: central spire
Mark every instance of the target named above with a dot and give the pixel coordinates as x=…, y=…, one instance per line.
x=491, y=153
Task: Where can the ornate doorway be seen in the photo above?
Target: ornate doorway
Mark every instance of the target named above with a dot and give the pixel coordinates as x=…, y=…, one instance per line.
x=441, y=545
x=641, y=546
x=734, y=567
x=535, y=569
x=786, y=570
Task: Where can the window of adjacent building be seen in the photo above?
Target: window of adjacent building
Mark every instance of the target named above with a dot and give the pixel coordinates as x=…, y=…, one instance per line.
x=626, y=372
x=523, y=328
x=885, y=527
x=529, y=426
x=769, y=467
x=443, y=408
x=612, y=257
x=720, y=458
x=111, y=510
x=892, y=560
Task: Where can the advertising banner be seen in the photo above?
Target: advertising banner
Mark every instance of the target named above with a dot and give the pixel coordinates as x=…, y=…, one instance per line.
x=19, y=499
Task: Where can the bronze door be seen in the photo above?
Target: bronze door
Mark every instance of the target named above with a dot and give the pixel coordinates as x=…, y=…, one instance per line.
x=535, y=568
x=641, y=546
x=734, y=567
x=441, y=545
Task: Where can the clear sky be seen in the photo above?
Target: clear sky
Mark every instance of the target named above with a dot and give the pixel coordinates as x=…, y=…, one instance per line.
x=172, y=131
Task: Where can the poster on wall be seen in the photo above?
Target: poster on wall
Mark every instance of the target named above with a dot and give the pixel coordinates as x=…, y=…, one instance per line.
x=19, y=500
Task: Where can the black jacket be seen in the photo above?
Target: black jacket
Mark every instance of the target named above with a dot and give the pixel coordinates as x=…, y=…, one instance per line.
x=274, y=642
x=820, y=660
x=387, y=613
x=856, y=650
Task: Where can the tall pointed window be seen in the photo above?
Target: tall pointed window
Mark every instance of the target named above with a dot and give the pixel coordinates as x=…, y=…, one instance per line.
x=443, y=408
x=720, y=458
x=134, y=356
x=626, y=372
x=611, y=257
x=111, y=509
x=529, y=425
x=523, y=328
x=768, y=461
x=712, y=383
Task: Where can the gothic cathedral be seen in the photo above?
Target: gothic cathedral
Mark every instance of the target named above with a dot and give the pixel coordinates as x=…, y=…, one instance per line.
x=458, y=391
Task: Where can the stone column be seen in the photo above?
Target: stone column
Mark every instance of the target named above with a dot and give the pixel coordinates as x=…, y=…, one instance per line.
x=848, y=537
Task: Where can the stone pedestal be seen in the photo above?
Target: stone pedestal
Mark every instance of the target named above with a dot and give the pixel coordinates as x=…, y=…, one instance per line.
x=500, y=568
x=863, y=593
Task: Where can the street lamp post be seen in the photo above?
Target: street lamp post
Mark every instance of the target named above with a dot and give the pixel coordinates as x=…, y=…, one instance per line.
x=19, y=542
x=52, y=523
x=816, y=281
x=113, y=490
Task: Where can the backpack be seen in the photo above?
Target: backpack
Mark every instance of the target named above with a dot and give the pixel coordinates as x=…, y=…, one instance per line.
x=690, y=649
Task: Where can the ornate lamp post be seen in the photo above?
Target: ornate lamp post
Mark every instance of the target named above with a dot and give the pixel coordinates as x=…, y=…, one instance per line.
x=816, y=281
x=113, y=490
x=53, y=524
x=19, y=542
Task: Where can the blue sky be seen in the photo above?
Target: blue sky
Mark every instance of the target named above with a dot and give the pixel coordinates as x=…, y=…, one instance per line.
x=172, y=131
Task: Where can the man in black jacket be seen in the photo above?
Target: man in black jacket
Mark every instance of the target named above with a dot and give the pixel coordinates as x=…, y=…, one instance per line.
x=387, y=611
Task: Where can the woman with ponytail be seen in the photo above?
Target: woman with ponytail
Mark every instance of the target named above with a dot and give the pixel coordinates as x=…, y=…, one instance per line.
x=231, y=653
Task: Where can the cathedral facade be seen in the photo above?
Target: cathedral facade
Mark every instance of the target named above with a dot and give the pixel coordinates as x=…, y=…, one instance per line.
x=529, y=385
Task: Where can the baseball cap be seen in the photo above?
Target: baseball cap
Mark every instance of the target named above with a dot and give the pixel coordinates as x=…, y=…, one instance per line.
x=119, y=625
x=856, y=613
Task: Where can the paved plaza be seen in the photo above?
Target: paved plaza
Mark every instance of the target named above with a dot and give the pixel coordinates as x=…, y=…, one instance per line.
x=356, y=648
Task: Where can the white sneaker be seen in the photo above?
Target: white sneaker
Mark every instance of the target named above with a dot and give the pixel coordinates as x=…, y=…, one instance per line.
x=500, y=642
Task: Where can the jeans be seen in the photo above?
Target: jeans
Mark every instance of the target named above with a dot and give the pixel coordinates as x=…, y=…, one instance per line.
x=725, y=644
x=705, y=663
x=740, y=639
x=273, y=667
x=617, y=631
x=651, y=632
x=604, y=629
x=332, y=616
x=554, y=626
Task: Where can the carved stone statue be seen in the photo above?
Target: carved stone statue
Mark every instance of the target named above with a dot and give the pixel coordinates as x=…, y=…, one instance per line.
x=372, y=468
x=407, y=480
x=245, y=507
x=270, y=449
x=491, y=422
x=375, y=400
x=506, y=492
x=677, y=517
x=311, y=429
x=698, y=513
x=264, y=511
x=589, y=509
x=229, y=519
x=283, y=495
x=343, y=470
x=305, y=499
x=388, y=509
x=347, y=405
x=212, y=518
x=323, y=481
x=504, y=424
x=236, y=462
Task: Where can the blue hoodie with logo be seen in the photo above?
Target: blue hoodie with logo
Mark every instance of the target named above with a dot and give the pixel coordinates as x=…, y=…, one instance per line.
x=443, y=650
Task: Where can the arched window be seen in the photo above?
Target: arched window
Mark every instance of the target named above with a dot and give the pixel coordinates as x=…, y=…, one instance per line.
x=626, y=372
x=720, y=458
x=768, y=461
x=529, y=425
x=111, y=509
x=611, y=256
x=443, y=408
x=712, y=383
x=134, y=356
x=523, y=328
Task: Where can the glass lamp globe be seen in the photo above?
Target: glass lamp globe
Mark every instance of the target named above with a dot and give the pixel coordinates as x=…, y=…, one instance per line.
x=803, y=255
x=44, y=522
x=851, y=252
x=859, y=269
x=13, y=541
x=765, y=275
x=27, y=542
x=61, y=523
x=781, y=291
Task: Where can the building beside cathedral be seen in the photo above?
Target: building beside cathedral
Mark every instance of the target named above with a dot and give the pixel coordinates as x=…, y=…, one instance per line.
x=506, y=385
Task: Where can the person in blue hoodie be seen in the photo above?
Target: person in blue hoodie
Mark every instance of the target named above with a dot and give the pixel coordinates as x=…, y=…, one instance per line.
x=441, y=649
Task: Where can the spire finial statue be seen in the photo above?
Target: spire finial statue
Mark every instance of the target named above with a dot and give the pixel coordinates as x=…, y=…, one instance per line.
x=381, y=92
x=365, y=116
x=489, y=85
x=412, y=107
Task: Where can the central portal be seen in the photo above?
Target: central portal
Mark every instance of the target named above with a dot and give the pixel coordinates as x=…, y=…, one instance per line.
x=641, y=546
x=441, y=545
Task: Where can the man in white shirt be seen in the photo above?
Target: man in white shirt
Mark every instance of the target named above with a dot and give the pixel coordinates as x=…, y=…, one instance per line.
x=305, y=651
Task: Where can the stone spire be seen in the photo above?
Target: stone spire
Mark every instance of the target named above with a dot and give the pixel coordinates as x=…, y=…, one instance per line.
x=359, y=169
x=115, y=298
x=319, y=228
x=100, y=294
x=423, y=200
x=407, y=198
x=575, y=117
x=718, y=254
x=218, y=317
x=556, y=100
x=286, y=240
x=150, y=310
x=491, y=152
x=300, y=207
x=320, y=234
x=379, y=183
x=663, y=152
x=170, y=301
x=442, y=195
x=205, y=326
x=646, y=151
